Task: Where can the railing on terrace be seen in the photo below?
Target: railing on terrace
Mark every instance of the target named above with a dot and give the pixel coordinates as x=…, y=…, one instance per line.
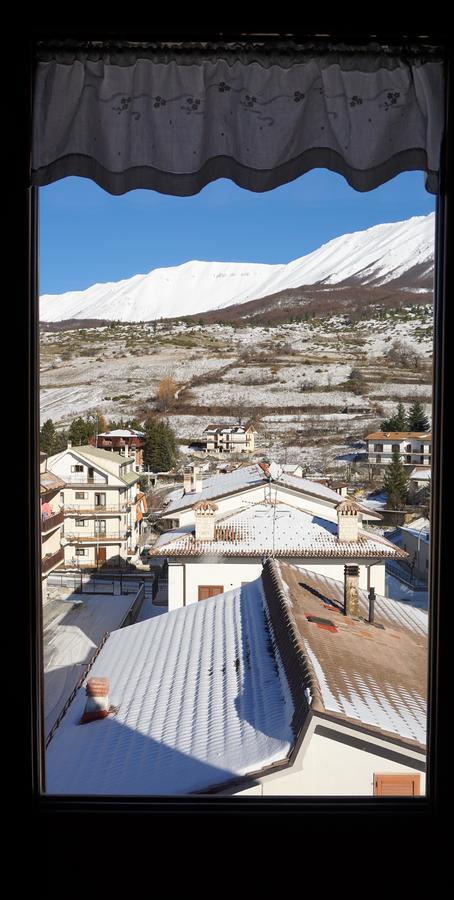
x=99, y=509
x=84, y=479
x=49, y=522
x=52, y=559
x=102, y=537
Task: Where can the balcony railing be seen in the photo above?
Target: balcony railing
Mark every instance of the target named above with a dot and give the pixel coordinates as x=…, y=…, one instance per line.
x=84, y=479
x=85, y=508
x=101, y=537
x=52, y=559
x=50, y=522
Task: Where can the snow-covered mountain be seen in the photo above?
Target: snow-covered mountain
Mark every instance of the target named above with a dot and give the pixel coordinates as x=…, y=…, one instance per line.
x=399, y=253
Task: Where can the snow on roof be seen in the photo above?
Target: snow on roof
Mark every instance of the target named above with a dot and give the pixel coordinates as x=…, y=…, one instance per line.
x=376, y=676
x=420, y=473
x=399, y=435
x=420, y=528
x=242, y=479
x=201, y=698
x=122, y=432
x=276, y=528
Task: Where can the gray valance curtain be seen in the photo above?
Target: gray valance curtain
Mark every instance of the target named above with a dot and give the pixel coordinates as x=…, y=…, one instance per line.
x=175, y=117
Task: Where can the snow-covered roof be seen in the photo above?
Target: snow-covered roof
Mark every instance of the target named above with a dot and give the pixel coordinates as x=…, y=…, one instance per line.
x=419, y=528
x=399, y=435
x=420, y=473
x=201, y=698
x=243, y=478
x=122, y=432
x=361, y=672
x=276, y=529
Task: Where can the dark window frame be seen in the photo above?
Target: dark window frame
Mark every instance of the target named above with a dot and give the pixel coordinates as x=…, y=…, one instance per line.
x=24, y=231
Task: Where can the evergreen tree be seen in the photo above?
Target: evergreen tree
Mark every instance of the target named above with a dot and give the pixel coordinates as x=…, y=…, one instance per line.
x=80, y=431
x=159, y=452
x=397, y=422
x=47, y=437
x=395, y=482
x=60, y=441
x=417, y=419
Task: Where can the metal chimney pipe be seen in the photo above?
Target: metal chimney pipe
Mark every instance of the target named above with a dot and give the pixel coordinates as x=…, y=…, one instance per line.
x=371, y=604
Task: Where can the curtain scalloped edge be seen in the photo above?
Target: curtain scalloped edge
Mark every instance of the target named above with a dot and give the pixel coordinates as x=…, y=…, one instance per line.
x=258, y=181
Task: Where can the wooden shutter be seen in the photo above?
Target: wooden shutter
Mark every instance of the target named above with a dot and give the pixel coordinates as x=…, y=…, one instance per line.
x=210, y=590
x=402, y=784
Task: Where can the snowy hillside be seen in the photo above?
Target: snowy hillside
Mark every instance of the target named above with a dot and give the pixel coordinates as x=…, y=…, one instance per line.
x=399, y=253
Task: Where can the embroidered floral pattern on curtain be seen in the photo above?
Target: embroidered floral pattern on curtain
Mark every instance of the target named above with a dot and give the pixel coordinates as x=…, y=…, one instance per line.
x=151, y=118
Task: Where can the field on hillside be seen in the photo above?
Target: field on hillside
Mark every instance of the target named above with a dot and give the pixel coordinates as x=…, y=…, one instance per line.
x=314, y=389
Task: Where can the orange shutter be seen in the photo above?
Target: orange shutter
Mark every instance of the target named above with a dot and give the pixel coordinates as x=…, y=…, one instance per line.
x=210, y=590
x=397, y=785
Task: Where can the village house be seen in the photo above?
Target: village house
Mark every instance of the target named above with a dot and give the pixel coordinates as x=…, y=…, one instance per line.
x=414, y=447
x=292, y=685
x=127, y=442
x=419, y=484
x=415, y=540
x=52, y=553
x=248, y=485
x=219, y=553
x=230, y=438
x=101, y=504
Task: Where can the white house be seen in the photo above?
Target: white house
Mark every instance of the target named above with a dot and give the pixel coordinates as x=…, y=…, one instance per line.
x=249, y=485
x=275, y=688
x=219, y=553
x=52, y=553
x=419, y=482
x=414, y=447
x=415, y=540
x=99, y=501
x=230, y=438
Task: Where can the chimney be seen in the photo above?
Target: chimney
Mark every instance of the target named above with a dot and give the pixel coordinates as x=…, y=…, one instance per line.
x=371, y=604
x=351, y=601
x=126, y=448
x=347, y=521
x=197, y=480
x=70, y=443
x=97, y=704
x=187, y=482
x=205, y=520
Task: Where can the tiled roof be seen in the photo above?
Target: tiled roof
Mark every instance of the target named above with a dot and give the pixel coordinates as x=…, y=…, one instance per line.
x=241, y=479
x=49, y=482
x=399, y=435
x=201, y=698
x=278, y=529
x=359, y=672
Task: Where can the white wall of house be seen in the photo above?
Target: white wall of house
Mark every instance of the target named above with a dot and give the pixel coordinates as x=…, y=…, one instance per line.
x=325, y=767
x=185, y=577
x=380, y=452
x=418, y=549
x=113, y=551
x=242, y=499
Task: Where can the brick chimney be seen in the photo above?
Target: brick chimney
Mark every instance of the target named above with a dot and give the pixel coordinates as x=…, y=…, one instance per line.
x=347, y=521
x=97, y=705
x=351, y=599
x=205, y=520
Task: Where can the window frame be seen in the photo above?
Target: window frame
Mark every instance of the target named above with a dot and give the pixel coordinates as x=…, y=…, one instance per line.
x=24, y=216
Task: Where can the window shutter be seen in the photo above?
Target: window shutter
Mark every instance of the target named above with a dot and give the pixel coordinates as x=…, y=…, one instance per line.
x=210, y=590
x=402, y=784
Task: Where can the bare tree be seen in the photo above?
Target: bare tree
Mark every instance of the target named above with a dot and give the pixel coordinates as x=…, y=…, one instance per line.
x=165, y=395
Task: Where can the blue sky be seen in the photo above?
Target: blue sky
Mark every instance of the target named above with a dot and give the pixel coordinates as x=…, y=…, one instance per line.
x=89, y=236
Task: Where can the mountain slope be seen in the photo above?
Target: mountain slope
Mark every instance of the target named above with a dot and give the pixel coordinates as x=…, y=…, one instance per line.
x=398, y=254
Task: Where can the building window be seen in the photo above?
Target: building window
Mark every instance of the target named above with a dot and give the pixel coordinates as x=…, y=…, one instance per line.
x=378, y=448
x=81, y=523
x=397, y=785
x=210, y=590
x=80, y=551
x=81, y=495
x=395, y=447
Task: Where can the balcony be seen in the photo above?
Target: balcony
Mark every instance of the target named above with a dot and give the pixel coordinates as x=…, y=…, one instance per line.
x=50, y=522
x=98, y=510
x=52, y=560
x=85, y=479
x=106, y=537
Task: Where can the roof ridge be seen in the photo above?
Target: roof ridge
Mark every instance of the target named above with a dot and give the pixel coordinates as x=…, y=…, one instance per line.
x=298, y=668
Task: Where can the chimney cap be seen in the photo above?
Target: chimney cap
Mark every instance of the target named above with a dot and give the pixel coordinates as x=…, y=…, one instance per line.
x=204, y=506
x=348, y=507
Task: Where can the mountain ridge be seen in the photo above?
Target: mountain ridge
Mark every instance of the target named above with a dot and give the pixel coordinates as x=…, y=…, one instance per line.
x=398, y=254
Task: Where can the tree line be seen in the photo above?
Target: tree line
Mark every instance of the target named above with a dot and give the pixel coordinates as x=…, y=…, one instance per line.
x=414, y=420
